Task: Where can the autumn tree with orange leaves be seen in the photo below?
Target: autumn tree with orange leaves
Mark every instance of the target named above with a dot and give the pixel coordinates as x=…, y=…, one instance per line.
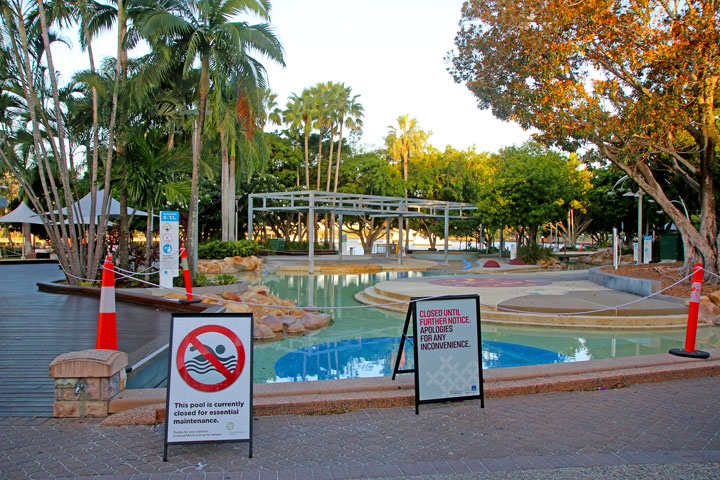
x=636, y=81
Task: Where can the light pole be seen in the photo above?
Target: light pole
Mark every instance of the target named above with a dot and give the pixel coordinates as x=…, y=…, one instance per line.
x=639, y=194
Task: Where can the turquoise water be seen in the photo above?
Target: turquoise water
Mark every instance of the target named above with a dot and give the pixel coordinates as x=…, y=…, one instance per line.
x=325, y=353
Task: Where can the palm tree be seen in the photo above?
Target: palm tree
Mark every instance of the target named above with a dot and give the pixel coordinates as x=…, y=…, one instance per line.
x=204, y=31
x=407, y=139
x=320, y=99
x=350, y=114
x=299, y=114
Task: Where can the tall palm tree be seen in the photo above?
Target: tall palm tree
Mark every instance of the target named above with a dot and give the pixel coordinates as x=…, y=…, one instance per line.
x=204, y=31
x=299, y=114
x=350, y=115
x=407, y=139
x=320, y=99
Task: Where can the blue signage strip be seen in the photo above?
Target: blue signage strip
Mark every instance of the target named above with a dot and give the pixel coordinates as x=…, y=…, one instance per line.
x=170, y=216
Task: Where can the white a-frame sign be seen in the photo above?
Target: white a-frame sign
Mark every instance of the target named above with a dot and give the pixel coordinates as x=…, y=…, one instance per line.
x=447, y=349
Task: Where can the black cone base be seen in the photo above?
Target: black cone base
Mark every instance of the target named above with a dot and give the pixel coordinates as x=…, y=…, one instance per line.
x=185, y=301
x=682, y=353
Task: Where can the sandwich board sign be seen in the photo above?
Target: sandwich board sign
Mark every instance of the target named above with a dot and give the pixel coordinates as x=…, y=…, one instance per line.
x=447, y=349
x=209, y=393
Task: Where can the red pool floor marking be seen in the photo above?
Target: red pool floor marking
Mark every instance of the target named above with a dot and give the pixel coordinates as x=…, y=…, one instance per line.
x=489, y=282
x=192, y=338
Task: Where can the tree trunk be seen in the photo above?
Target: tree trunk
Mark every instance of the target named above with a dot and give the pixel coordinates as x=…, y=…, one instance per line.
x=232, y=188
x=123, y=257
x=224, y=191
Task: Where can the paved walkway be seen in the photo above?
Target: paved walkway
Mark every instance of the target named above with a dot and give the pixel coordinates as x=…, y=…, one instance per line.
x=658, y=430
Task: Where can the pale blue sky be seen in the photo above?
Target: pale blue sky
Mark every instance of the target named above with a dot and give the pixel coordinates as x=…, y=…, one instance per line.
x=390, y=52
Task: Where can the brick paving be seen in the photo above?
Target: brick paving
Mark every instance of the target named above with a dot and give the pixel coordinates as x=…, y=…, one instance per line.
x=666, y=429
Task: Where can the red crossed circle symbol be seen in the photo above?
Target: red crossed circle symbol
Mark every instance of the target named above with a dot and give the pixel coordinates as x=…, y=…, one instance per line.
x=230, y=377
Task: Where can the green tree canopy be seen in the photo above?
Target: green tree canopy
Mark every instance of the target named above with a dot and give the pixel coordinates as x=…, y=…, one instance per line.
x=634, y=80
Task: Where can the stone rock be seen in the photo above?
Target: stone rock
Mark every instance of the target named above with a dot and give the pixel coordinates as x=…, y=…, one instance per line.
x=262, y=332
x=313, y=321
x=288, y=320
x=714, y=297
x=231, y=296
x=212, y=267
x=296, y=328
x=709, y=312
x=176, y=296
x=260, y=289
x=237, y=307
x=274, y=322
x=212, y=298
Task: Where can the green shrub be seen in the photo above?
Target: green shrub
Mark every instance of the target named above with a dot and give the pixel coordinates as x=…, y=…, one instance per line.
x=531, y=254
x=219, y=249
x=200, y=280
x=225, y=279
x=304, y=246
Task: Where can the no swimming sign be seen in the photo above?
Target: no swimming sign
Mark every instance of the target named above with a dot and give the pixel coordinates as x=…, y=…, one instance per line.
x=209, y=396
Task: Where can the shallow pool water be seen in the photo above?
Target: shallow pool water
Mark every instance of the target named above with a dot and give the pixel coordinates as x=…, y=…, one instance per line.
x=350, y=348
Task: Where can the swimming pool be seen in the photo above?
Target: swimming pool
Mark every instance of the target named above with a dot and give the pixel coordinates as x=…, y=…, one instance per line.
x=362, y=342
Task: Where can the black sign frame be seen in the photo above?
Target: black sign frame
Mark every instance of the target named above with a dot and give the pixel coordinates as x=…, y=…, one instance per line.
x=412, y=314
x=251, y=373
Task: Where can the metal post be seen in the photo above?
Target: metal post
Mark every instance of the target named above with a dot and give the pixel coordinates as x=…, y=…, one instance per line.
x=250, y=216
x=311, y=234
x=615, y=248
x=640, y=229
x=400, y=239
x=447, y=234
x=340, y=245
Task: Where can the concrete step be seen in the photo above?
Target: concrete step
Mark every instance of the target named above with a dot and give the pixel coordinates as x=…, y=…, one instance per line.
x=540, y=315
x=134, y=407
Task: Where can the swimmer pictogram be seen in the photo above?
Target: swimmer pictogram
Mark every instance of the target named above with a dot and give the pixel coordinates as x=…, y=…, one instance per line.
x=210, y=358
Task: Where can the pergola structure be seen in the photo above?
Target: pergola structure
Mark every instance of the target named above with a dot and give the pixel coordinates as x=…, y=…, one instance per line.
x=312, y=202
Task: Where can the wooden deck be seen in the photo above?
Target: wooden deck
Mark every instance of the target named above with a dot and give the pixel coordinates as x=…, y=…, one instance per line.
x=36, y=326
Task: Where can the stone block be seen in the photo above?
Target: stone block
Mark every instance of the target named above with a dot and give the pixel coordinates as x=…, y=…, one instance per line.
x=92, y=391
x=96, y=409
x=88, y=364
x=66, y=409
x=59, y=394
x=66, y=383
x=708, y=311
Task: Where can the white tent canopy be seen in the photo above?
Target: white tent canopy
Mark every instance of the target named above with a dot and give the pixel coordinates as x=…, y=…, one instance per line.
x=22, y=214
x=82, y=207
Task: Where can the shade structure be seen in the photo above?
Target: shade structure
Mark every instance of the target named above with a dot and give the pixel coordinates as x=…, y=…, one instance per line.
x=21, y=214
x=26, y=216
x=82, y=208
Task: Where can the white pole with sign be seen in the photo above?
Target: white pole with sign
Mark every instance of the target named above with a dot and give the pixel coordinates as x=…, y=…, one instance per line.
x=209, y=394
x=169, y=250
x=447, y=347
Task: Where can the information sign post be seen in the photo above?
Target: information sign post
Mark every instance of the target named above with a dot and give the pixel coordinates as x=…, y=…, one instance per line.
x=447, y=347
x=169, y=251
x=209, y=394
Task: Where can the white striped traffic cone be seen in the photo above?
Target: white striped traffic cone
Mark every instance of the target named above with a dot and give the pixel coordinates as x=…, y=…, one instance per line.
x=107, y=325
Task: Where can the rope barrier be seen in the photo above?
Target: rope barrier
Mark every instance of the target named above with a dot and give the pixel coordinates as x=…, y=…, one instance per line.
x=406, y=302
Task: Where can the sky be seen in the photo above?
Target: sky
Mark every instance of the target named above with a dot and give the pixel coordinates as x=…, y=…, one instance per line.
x=390, y=52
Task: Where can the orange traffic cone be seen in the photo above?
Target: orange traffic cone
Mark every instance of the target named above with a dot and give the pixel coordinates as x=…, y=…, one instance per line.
x=107, y=327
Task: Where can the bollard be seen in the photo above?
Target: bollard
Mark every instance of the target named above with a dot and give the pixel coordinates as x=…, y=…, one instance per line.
x=107, y=325
x=186, y=275
x=691, y=332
